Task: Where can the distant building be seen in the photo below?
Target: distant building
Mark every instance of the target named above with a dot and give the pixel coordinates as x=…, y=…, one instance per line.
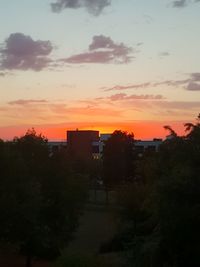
x=88, y=144
x=56, y=145
x=150, y=145
x=141, y=145
x=98, y=145
x=83, y=144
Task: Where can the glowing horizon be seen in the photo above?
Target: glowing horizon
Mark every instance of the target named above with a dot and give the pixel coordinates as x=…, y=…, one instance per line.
x=141, y=130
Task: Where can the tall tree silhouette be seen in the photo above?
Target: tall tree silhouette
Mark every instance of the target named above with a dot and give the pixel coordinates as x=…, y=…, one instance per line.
x=39, y=202
x=118, y=158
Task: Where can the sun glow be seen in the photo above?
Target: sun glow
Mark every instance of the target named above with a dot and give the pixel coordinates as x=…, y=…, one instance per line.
x=141, y=130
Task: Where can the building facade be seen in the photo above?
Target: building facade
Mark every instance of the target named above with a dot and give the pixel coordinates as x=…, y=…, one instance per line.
x=88, y=144
x=81, y=143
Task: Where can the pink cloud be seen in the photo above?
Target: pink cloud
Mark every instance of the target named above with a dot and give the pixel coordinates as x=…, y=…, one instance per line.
x=103, y=50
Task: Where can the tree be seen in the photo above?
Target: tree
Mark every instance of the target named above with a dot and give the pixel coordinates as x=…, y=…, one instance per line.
x=171, y=131
x=39, y=201
x=169, y=235
x=118, y=158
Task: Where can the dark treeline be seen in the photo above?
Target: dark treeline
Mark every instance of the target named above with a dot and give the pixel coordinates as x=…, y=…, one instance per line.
x=40, y=197
x=161, y=203
x=157, y=195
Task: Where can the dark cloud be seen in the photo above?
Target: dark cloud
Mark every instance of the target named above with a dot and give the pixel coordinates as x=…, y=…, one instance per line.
x=195, y=76
x=23, y=102
x=21, y=52
x=103, y=50
x=192, y=86
x=179, y=3
x=94, y=7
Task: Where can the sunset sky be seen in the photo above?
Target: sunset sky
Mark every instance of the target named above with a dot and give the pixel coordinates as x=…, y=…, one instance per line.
x=98, y=64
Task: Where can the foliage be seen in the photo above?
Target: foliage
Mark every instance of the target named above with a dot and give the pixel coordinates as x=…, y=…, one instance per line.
x=169, y=234
x=39, y=197
x=78, y=260
x=118, y=155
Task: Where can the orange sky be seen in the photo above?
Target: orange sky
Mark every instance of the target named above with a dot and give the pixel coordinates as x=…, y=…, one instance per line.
x=141, y=130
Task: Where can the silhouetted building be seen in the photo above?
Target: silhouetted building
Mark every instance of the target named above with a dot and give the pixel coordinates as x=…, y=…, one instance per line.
x=55, y=146
x=88, y=144
x=150, y=145
x=83, y=144
x=140, y=145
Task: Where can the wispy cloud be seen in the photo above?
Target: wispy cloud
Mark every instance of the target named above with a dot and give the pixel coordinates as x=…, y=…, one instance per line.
x=95, y=7
x=148, y=19
x=179, y=3
x=182, y=3
x=122, y=96
x=164, y=54
x=2, y=74
x=195, y=76
x=192, y=83
x=116, y=107
x=103, y=50
x=38, y=110
x=23, y=102
x=193, y=86
x=178, y=105
x=125, y=87
x=21, y=52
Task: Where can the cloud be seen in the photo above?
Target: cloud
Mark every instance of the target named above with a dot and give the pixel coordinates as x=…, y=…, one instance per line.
x=21, y=52
x=94, y=112
x=139, y=44
x=161, y=107
x=38, y=110
x=122, y=87
x=179, y=105
x=118, y=107
x=182, y=3
x=148, y=19
x=164, y=54
x=171, y=82
x=95, y=7
x=122, y=96
x=195, y=76
x=192, y=86
x=23, y=102
x=102, y=50
x=179, y=3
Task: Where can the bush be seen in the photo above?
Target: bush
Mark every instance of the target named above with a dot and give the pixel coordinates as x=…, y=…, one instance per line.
x=78, y=260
